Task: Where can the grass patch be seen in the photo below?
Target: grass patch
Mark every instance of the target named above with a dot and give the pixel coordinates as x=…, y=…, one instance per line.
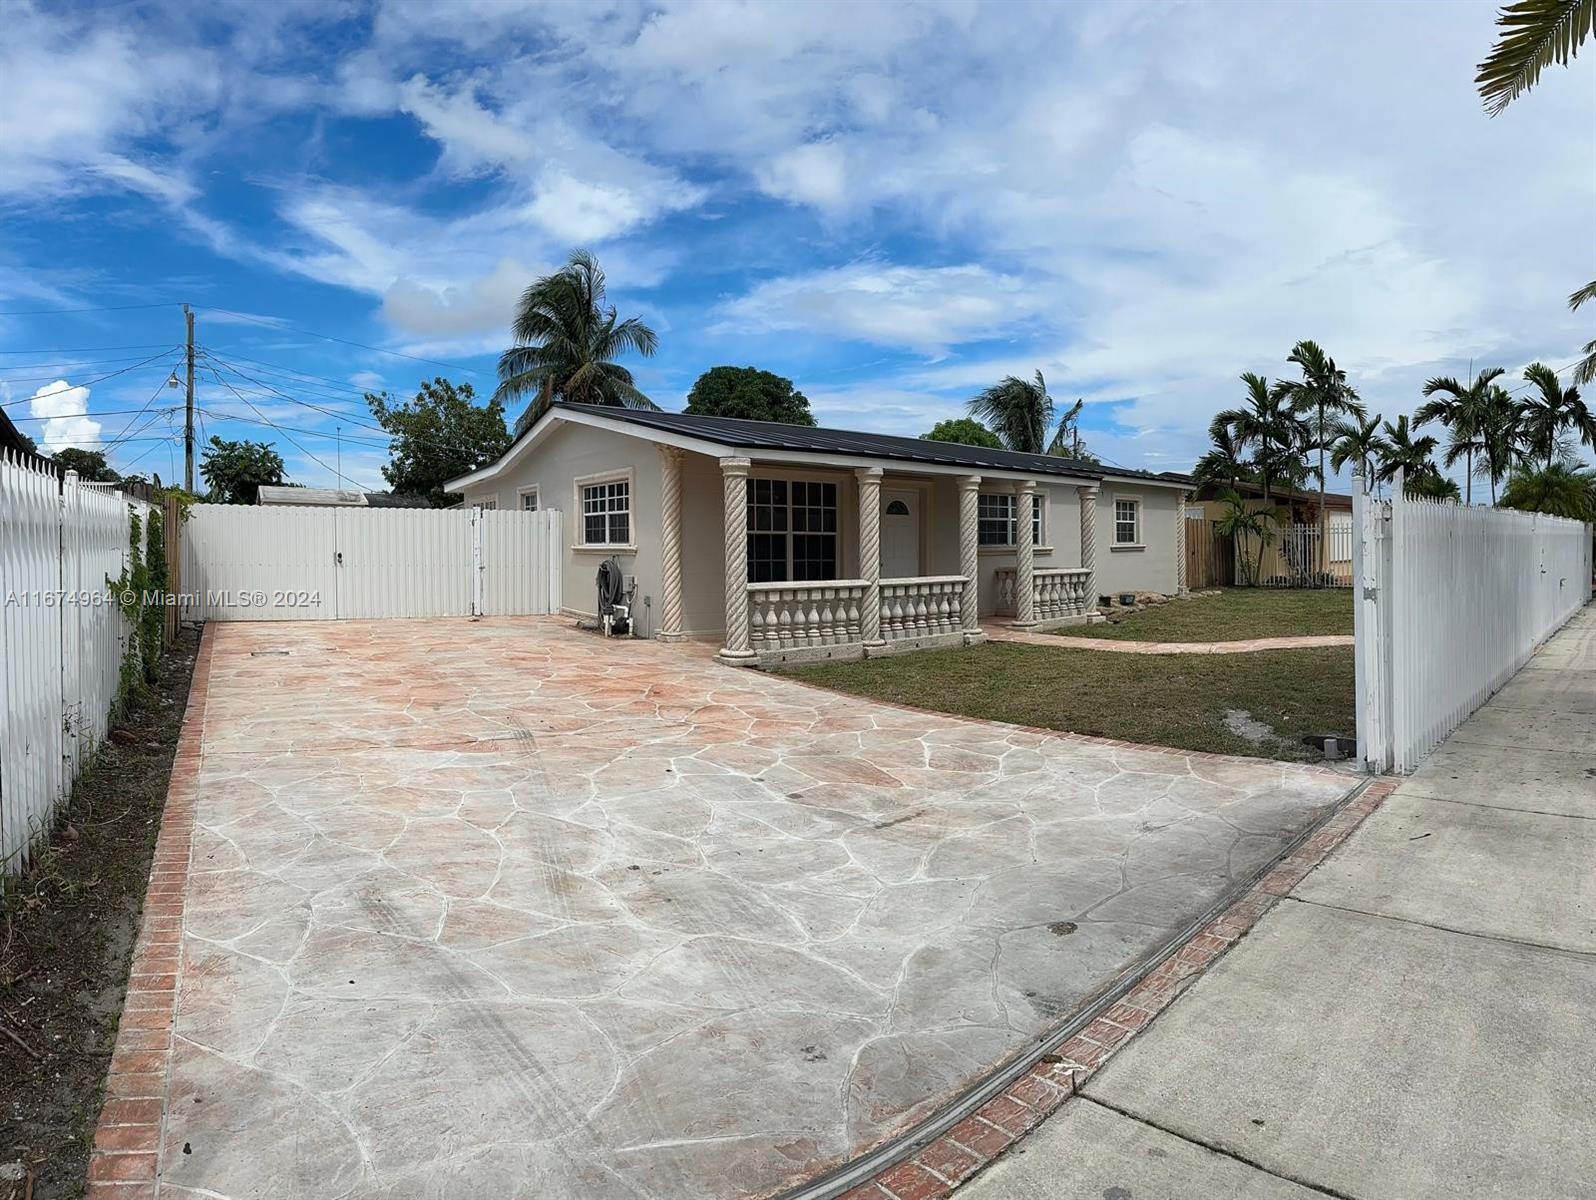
x=1163, y=700
x=66, y=936
x=1234, y=615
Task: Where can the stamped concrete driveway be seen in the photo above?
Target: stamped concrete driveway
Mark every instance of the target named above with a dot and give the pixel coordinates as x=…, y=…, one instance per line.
x=499, y=909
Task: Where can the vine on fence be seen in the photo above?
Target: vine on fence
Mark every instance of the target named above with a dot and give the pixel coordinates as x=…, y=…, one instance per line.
x=141, y=595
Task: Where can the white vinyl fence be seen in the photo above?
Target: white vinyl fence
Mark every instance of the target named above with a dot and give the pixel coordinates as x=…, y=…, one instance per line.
x=1450, y=602
x=292, y=563
x=61, y=640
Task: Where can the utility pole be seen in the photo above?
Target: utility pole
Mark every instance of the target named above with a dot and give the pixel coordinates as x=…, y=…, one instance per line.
x=188, y=418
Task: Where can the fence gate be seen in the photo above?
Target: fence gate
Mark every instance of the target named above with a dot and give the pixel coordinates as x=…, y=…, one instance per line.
x=1449, y=603
x=291, y=563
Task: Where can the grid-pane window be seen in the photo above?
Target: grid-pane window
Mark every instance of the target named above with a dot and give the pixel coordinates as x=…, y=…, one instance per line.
x=607, y=513
x=1127, y=516
x=994, y=520
x=792, y=530
x=529, y=500
x=995, y=523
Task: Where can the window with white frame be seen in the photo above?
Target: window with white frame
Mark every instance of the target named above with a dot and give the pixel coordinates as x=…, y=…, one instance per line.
x=487, y=505
x=607, y=513
x=529, y=499
x=1127, y=521
x=995, y=524
x=792, y=530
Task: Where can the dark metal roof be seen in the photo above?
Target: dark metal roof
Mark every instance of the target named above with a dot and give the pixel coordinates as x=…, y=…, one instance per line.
x=775, y=435
x=389, y=500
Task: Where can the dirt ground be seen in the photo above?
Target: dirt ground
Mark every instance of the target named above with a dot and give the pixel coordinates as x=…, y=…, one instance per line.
x=66, y=936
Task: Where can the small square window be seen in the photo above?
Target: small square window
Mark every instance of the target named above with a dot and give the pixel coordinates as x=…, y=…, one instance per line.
x=529, y=500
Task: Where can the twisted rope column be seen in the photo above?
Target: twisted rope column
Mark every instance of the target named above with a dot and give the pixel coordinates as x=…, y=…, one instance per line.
x=670, y=544
x=1180, y=545
x=1025, y=566
x=734, y=481
x=970, y=556
x=1088, y=498
x=870, y=553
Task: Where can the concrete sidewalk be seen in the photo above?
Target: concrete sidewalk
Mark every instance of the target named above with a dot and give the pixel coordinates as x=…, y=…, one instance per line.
x=1414, y=1020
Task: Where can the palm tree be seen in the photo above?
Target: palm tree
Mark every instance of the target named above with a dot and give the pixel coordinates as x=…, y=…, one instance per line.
x=1550, y=410
x=1067, y=442
x=1223, y=462
x=1324, y=398
x=1399, y=450
x=1559, y=490
x=1501, y=433
x=1017, y=410
x=1585, y=369
x=1534, y=35
x=1460, y=409
x=1271, y=427
x=1241, y=523
x=566, y=339
x=1358, y=442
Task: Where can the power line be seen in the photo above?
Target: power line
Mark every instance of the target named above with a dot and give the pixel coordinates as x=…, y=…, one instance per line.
x=93, y=416
x=274, y=323
x=85, y=349
x=77, y=362
x=313, y=458
x=39, y=312
x=86, y=383
x=292, y=372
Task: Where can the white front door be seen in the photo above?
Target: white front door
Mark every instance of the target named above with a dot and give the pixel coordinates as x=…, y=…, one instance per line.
x=900, y=535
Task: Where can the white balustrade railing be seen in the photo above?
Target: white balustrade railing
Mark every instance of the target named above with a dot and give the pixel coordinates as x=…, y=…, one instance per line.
x=1058, y=592
x=796, y=616
x=927, y=606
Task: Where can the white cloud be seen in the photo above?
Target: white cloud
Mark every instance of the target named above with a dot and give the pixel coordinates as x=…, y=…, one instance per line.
x=371, y=381
x=482, y=304
x=814, y=174
x=68, y=423
x=926, y=309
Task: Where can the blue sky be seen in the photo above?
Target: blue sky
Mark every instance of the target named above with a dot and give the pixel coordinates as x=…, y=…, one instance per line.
x=893, y=204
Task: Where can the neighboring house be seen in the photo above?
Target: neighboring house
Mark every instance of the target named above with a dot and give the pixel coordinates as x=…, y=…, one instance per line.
x=335, y=498
x=789, y=542
x=1294, y=548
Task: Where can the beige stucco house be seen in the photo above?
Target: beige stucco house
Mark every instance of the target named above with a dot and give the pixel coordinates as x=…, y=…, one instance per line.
x=787, y=543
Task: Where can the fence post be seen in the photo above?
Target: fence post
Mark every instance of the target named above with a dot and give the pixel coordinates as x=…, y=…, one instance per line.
x=476, y=560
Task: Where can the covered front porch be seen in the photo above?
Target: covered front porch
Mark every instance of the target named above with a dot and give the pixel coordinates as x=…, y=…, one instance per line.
x=823, y=562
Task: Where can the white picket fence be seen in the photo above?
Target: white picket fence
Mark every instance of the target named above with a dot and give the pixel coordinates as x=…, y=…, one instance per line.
x=1450, y=602
x=61, y=640
x=293, y=563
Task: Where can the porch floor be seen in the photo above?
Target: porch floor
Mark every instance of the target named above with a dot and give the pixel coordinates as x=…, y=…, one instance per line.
x=497, y=908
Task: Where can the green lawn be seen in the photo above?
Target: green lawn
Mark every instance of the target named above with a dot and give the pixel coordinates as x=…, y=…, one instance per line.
x=1164, y=700
x=1234, y=615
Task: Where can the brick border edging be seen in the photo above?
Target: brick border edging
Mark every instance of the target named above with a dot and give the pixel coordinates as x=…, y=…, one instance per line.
x=127, y=1139
x=939, y=1167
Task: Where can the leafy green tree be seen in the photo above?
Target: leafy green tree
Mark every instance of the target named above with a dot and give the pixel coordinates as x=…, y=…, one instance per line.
x=236, y=471
x=1018, y=411
x=89, y=464
x=1464, y=411
x=1551, y=412
x=439, y=435
x=566, y=341
x=748, y=394
x=1533, y=34
x=1323, y=398
x=965, y=431
x=1560, y=490
x=1269, y=425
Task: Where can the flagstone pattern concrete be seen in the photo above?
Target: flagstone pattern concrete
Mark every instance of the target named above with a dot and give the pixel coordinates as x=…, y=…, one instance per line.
x=498, y=908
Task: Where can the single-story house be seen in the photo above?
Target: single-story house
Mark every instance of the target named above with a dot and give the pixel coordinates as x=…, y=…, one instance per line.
x=788, y=542
x=334, y=498
x=1293, y=551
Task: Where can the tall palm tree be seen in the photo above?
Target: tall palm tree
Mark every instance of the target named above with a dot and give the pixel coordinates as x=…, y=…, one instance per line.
x=1585, y=369
x=1560, y=490
x=1067, y=442
x=1324, y=398
x=1461, y=410
x=566, y=338
x=1017, y=410
x=1534, y=34
x=1223, y=462
x=1357, y=442
x=1399, y=450
x=1551, y=410
x=1501, y=435
x=1268, y=425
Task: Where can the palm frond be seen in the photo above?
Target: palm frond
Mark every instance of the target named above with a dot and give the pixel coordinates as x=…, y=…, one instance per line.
x=1533, y=34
